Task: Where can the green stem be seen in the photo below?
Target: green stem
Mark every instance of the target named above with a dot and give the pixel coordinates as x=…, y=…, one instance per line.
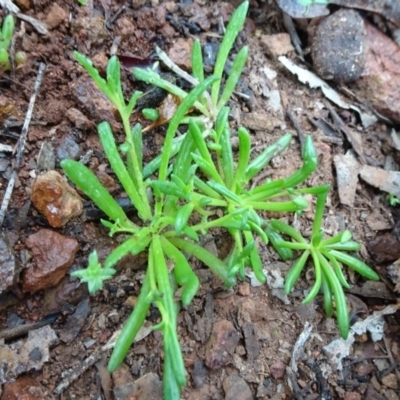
x=319, y=212
x=146, y=213
x=213, y=262
x=175, y=121
x=132, y=326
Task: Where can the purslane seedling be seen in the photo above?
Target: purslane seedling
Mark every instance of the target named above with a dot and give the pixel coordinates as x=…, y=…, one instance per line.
x=195, y=186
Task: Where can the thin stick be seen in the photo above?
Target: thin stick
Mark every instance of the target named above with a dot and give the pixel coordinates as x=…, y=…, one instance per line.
x=296, y=125
x=183, y=74
x=21, y=144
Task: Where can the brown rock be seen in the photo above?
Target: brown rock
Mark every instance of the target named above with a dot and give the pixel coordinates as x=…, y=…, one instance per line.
x=278, y=369
x=23, y=4
x=385, y=248
x=251, y=340
x=126, y=27
x=100, y=61
x=78, y=119
x=390, y=381
x=364, y=369
x=55, y=199
x=221, y=344
x=107, y=181
x=150, y=18
x=277, y=45
x=372, y=394
x=236, y=388
x=24, y=388
x=52, y=255
x=54, y=110
x=56, y=16
x=147, y=387
x=96, y=104
x=244, y=289
x=391, y=395
x=253, y=311
x=380, y=82
x=180, y=53
x=260, y=121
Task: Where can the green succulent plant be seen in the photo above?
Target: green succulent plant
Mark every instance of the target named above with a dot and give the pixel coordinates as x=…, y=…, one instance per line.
x=194, y=186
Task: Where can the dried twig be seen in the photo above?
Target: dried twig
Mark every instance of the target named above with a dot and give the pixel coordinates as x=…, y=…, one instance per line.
x=296, y=125
x=294, y=37
x=183, y=74
x=21, y=144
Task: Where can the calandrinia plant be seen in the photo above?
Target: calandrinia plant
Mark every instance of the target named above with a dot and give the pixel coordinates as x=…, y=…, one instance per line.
x=194, y=187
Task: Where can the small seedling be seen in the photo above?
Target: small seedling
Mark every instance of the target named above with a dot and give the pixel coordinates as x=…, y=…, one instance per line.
x=393, y=200
x=6, y=33
x=327, y=256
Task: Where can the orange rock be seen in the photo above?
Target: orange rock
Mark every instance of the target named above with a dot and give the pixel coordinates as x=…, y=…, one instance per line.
x=52, y=255
x=277, y=45
x=55, y=199
x=24, y=388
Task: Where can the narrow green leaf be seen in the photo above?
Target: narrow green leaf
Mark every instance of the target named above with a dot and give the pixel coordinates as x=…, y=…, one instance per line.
x=183, y=272
x=214, y=263
x=114, y=80
x=7, y=30
x=234, y=75
x=235, y=25
x=224, y=191
x=151, y=114
x=310, y=162
x=276, y=240
x=255, y=259
x=340, y=299
x=293, y=274
x=92, y=71
x=130, y=246
x=197, y=61
x=328, y=306
x=87, y=181
x=244, y=155
x=226, y=154
x=170, y=188
x=132, y=102
x=348, y=246
x=281, y=226
x=355, y=264
x=183, y=108
x=132, y=325
x=208, y=168
x=338, y=269
x=318, y=278
x=266, y=156
x=182, y=217
x=108, y=143
x=202, y=187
